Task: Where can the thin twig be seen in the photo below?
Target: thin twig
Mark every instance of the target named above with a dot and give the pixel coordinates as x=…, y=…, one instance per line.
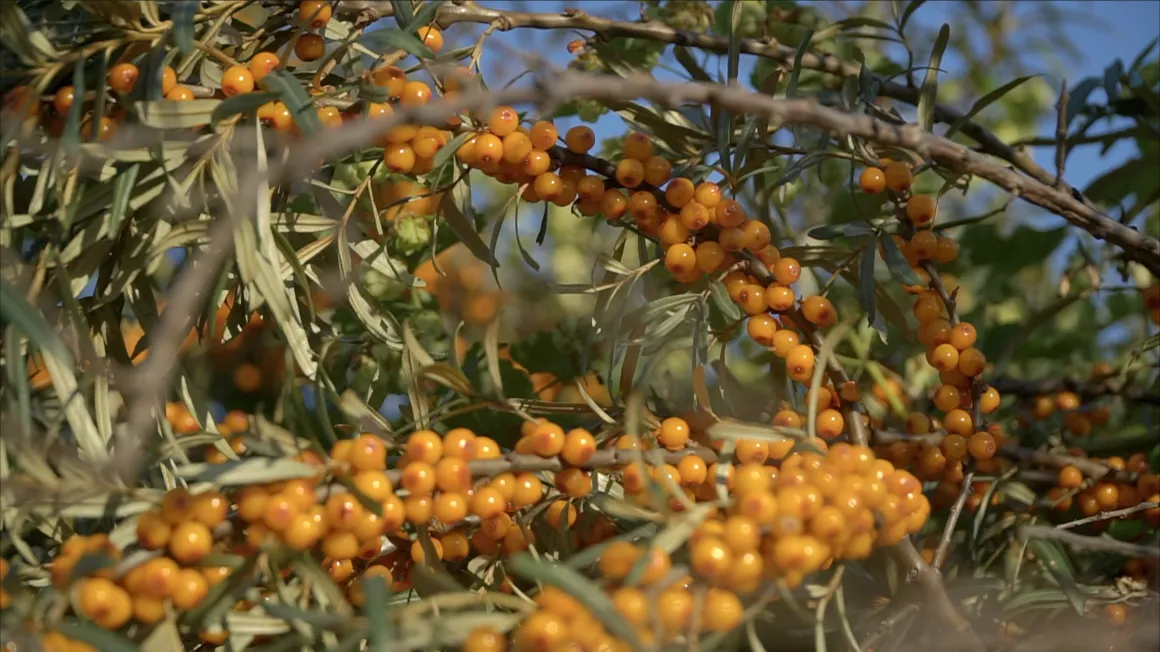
x=1095, y=543
x=1104, y=516
x=944, y=544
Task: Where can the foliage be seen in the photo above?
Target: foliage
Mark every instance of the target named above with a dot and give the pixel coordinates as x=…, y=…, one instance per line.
x=468, y=380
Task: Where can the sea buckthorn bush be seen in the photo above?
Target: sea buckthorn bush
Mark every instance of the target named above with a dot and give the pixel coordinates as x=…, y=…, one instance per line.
x=335, y=325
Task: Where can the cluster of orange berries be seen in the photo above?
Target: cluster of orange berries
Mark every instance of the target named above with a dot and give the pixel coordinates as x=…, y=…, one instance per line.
x=1078, y=418
x=1091, y=496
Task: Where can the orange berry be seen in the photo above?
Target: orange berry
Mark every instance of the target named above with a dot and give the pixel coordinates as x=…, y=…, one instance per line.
x=921, y=209
x=680, y=259
x=579, y=447
x=580, y=139
x=630, y=172
x=123, y=77
x=431, y=37
x=314, y=14
x=708, y=194
x=416, y=93
x=762, y=328
x=190, y=542
x=638, y=146
x=898, y=176
x=105, y=603
x=237, y=80
x=679, y=192
x=450, y=508
x=657, y=170
x=543, y=135
x=262, y=64
x=819, y=311
x=673, y=433
x=872, y=181
x=424, y=446
x=787, y=271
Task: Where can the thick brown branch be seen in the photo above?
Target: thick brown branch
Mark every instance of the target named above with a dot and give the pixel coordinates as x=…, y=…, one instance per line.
x=470, y=12
x=1086, y=390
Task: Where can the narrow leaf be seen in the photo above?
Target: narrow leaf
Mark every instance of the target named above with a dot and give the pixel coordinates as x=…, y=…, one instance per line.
x=911, y=7
x=122, y=189
x=1077, y=99
x=464, y=229
x=791, y=89
x=927, y=94
x=866, y=282
x=985, y=101
x=896, y=263
x=183, y=14
x=403, y=14
x=395, y=39
x=721, y=299
x=297, y=100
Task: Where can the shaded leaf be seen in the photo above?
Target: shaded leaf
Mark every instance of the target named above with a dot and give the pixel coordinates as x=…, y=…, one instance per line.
x=398, y=40
x=297, y=100
x=896, y=263
x=985, y=101
x=928, y=92
x=1077, y=98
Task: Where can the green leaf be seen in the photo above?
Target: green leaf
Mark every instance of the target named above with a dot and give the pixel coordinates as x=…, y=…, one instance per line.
x=835, y=231
x=464, y=229
x=297, y=100
x=72, y=127
x=896, y=263
x=183, y=15
x=396, y=39
x=100, y=638
x=689, y=63
x=1053, y=556
x=426, y=14
x=376, y=592
x=576, y=585
x=16, y=311
x=721, y=299
x=243, y=103
x=166, y=114
x=927, y=94
x=122, y=188
x=1077, y=99
x=403, y=14
x=1112, y=76
x=911, y=7
x=866, y=282
x=985, y=101
x=19, y=36
x=791, y=89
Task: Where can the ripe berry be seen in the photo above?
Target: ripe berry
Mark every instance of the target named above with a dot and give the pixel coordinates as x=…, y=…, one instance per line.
x=830, y=424
x=752, y=299
x=416, y=93
x=784, y=342
x=708, y=194
x=972, y=361
x=679, y=192
x=262, y=64
x=399, y=158
x=657, y=170
x=898, y=176
x=819, y=311
x=780, y=298
x=503, y=121
x=630, y=172
x=673, y=433
x=190, y=542
x=579, y=447
x=105, y=603
x=543, y=135
x=638, y=146
x=314, y=14
x=920, y=210
x=981, y=445
x=787, y=271
x=431, y=37
x=680, y=258
x=580, y=139
x=123, y=77
x=762, y=328
x=528, y=490
x=872, y=181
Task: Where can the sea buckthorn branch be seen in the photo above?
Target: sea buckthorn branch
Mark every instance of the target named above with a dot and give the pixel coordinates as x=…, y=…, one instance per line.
x=1085, y=389
x=566, y=86
x=944, y=542
x=575, y=19
x=1105, y=516
x=1092, y=469
x=1096, y=543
